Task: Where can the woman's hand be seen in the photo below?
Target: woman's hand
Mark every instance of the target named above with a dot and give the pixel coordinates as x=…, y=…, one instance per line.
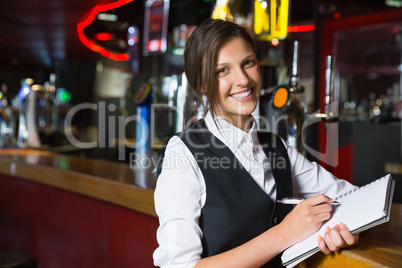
x=306, y=218
x=336, y=238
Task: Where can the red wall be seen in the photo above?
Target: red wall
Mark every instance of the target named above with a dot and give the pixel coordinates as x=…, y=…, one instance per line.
x=63, y=229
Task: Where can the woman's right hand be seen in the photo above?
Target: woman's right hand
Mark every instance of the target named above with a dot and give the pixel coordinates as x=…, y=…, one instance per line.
x=306, y=218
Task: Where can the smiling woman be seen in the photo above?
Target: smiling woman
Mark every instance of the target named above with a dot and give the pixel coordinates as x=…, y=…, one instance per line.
x=221, y=210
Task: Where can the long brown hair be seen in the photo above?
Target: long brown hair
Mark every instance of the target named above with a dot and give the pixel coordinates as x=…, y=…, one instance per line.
x=201, y=52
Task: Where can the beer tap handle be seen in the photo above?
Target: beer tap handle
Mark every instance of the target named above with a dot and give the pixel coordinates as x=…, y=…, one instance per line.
x=294, y=79
x=328, y=80
x=328, y=116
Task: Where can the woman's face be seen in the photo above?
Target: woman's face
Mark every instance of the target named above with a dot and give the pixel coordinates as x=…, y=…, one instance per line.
x=238, y=79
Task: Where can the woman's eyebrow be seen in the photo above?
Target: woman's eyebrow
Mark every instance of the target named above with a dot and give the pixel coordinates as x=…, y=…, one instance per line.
x=252, y=55
x=220, y=64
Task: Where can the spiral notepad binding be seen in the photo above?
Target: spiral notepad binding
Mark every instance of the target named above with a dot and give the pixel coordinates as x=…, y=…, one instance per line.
x=354, y=190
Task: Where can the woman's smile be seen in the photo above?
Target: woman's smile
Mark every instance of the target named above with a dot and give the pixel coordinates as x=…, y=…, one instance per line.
x=245, y=95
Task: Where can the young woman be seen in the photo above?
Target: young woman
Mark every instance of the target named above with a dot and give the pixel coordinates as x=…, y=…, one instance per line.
x=218, y=181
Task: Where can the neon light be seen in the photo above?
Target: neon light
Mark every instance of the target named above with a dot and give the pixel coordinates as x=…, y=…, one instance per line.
x=301, y=28
x=103, y=36
x=154, y=45
x=24, y=91
x=281, y=21
x=131, y=29
x=337, y=16
x=261, y=21
x=89, y=19
x=275, y=42
x=271, y=19
x=133, y=40
x=221, y=10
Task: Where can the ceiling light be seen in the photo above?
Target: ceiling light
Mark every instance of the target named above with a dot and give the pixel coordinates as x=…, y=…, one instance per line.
x=38, y=87
x=394, y=3
x=275, y=42
x=107, y=17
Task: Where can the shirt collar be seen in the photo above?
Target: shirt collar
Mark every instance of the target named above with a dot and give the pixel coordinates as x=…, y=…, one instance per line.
x=229, y=134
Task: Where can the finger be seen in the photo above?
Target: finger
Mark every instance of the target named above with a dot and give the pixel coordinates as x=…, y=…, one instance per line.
x=337, y=239
x=347, y=236
x=323, y=208
x=336, y=227
x=316, y=210
x=322, y=246
x=328, y=240
x=321, y=212
x=323, y=216
x=318, y=199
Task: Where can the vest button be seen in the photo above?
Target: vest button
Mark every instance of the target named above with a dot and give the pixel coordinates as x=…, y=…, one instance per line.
x=275, y=220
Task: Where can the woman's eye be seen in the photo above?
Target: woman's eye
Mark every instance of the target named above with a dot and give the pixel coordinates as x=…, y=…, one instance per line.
x=249, y=63
x=221, y=70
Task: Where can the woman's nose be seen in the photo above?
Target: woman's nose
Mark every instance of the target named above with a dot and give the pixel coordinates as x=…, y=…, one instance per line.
x=241, y=78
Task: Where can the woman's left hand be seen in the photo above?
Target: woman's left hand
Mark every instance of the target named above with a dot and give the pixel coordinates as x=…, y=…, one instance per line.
x=336, y=238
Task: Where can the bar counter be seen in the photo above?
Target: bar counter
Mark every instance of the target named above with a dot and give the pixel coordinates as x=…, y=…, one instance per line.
x=109, y=181
x=69, y=211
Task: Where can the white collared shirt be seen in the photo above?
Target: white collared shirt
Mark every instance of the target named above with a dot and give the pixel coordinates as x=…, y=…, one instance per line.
x=180, y=191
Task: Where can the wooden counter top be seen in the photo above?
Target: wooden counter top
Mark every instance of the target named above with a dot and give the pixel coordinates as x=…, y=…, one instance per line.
x=395, y=168
x=105, y=180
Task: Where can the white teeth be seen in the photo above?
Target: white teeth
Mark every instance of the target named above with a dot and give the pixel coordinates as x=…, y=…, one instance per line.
x=242, y=95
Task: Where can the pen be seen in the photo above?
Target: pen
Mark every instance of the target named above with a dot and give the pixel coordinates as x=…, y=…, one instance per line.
x=297, y=200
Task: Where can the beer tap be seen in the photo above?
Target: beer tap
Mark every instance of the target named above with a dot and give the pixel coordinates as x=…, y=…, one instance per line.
x=292, y=108
x=328, y=117
x=295, y=87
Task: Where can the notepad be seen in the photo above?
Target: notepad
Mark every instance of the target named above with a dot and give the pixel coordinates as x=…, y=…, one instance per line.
x=360, y=209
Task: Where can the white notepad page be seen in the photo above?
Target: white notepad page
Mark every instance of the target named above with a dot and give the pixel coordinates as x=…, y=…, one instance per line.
x=359, y=209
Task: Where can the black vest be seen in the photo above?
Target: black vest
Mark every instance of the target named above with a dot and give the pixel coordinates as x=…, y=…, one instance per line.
x=236, y=208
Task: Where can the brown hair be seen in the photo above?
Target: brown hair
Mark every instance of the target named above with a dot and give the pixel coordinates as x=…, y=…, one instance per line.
x=200, y=55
